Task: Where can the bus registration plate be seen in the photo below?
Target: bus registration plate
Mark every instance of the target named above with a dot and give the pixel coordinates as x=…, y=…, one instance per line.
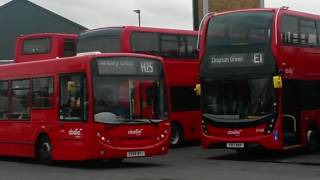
x=235, y=145
x=136, y=154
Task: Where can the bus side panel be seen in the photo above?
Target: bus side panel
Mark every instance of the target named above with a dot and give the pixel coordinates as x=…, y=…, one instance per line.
x=181, y=73
x=9, y=144
x=190, y=122
x=69, y=141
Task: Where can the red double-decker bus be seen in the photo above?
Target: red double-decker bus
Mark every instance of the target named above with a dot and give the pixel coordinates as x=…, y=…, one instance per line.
x=177, y=48
x=106, y=106
x=33, y=47
x=260, y=79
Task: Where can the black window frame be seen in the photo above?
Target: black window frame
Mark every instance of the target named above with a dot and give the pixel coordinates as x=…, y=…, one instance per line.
x=304, y=94
x=69, y=45
x=8, y=100
x=11, y=89
x=106, y=34
x=48, y=97
x=299, y=26
x=156, y=53
x=306, y=26
x=24, y=52
x=181, y=39
x=181, y=102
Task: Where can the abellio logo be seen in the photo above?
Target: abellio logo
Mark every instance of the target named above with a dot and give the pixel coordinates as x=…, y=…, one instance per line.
x=75, y=132
x=234, y=132
x=137, y=132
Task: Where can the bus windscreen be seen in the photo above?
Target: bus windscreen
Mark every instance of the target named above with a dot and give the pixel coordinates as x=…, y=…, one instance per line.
x=128, y=90
x=101, y=40
x=244, y=28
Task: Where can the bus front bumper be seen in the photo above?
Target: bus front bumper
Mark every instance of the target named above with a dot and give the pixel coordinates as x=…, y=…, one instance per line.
x=270, y=142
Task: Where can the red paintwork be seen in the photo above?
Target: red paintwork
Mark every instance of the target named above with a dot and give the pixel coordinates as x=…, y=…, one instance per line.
x=295, y=62
x=18, y=138
x=181, y=72
x=57, y=45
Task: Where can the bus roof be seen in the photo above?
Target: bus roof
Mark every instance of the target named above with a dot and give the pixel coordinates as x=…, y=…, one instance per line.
x=146, y=29
x=39, y=35
x=292, y=12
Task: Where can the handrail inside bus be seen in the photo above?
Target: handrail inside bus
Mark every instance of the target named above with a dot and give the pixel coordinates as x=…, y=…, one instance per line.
x=293, y=119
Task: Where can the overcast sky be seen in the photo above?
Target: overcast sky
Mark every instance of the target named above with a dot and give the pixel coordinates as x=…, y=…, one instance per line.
x=156, y=13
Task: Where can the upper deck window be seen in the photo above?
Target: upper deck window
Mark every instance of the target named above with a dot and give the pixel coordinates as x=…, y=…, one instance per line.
x=102, y=40
x=69, y=47
x=147, y=43
x=37, y=46
x=4, y=100
x=243, y=28
x=173, y=46
x=299, y=31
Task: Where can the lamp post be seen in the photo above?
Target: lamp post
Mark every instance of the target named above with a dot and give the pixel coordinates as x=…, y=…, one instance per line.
x=261, y=3
x=138, y=12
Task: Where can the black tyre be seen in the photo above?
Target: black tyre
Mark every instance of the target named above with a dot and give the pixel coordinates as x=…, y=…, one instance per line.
x=43, y=151
x=176, y=139
x=312, y=139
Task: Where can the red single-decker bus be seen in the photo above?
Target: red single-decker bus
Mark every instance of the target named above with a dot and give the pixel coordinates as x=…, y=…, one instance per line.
x=177, y=48
x=106, y=106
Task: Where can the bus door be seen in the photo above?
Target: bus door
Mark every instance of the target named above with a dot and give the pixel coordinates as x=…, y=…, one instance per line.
x=73, y=106
x=291, y=112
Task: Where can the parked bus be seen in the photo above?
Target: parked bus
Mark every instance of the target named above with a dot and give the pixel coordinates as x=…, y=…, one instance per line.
x=106, y=106
x=260, y=79
x=33, y=47
x=178, y=48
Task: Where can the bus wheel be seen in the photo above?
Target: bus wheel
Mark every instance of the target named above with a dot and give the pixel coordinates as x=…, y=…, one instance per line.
x=176, y=139
x=312, y=139
x=44, y=149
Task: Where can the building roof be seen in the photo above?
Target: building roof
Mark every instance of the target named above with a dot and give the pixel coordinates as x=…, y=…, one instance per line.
x=21, y=17
x=13, y=2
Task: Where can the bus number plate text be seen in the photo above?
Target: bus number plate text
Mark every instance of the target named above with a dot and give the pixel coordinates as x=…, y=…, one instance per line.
x=235, y=145
x=136, y=154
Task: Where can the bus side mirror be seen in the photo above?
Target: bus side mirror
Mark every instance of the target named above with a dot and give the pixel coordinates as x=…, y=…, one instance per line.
x=197, y=89
x=277, y=82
